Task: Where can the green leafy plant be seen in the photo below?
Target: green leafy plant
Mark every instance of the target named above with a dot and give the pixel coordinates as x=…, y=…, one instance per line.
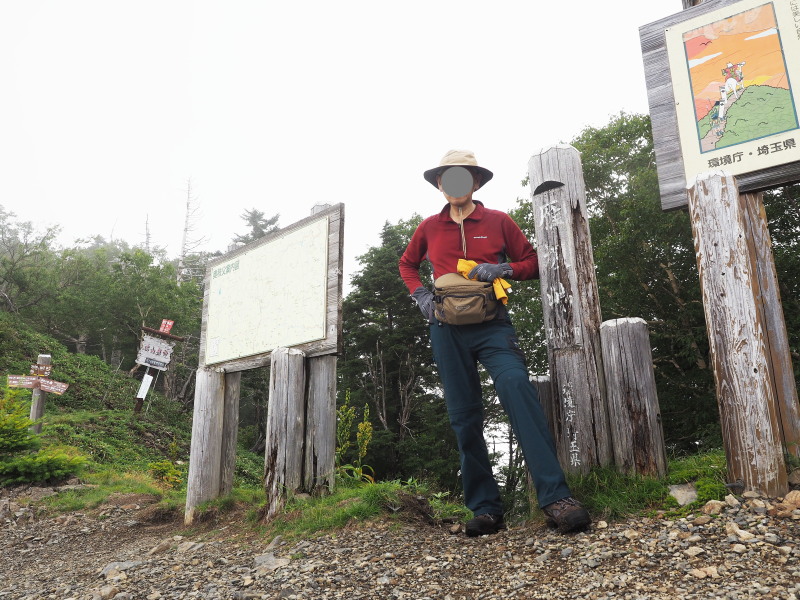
x=357, y=471
x=165, y=472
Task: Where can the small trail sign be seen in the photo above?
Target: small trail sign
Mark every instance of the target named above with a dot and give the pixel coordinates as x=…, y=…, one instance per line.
x=37, y=380
x=155, y=352
x=41, y=370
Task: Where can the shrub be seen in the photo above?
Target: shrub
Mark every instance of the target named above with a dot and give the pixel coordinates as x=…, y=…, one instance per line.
x=165, y=472
x=58, y=462
x=15, y=434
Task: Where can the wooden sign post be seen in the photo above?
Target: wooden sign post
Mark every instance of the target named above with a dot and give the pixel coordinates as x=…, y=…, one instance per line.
x=697, y=80
x=747, y=335
x=571, y=309
x=253, y=316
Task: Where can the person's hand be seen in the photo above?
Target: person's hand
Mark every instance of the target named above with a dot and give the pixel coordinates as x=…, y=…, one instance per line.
x=424, y=299
x=489, y=272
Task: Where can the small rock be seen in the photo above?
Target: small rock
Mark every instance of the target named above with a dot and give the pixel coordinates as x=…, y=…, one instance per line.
x=162, y=546
x=684, y=493
x=602, y=525
x=699, y=573
x=793, y=498
x=693, y=551
x=107, y=592
x=713, y=507
x=631, y=534
x=567, y=552
x=733, y=529
x=702, y=520
x=732, y=501
x=739, y=548
x=752, y=494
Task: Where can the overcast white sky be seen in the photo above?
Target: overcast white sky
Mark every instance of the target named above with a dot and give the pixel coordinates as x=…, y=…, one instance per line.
x=108, y=108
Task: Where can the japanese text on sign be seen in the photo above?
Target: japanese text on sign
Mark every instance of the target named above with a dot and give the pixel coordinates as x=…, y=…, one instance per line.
x=155, y=352
x=763, y=150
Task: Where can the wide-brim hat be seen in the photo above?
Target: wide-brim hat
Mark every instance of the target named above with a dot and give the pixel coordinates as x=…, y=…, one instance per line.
x=457, y=158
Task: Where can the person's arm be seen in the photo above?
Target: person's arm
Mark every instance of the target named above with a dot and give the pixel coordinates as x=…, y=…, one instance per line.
x=412, y=259
x=525, y=263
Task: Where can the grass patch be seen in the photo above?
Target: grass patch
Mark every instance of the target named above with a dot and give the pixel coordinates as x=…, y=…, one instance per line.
x=104, y=484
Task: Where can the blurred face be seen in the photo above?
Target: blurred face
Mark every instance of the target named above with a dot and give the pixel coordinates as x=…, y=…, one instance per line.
x=458, y=184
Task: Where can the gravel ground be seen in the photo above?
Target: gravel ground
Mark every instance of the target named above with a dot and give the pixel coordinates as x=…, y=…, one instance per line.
x=745, y=547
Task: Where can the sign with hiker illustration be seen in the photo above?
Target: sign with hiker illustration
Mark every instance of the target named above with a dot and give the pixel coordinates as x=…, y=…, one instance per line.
x=723, y=89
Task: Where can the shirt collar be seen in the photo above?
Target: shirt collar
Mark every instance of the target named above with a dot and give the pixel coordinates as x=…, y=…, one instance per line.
x=475, y=215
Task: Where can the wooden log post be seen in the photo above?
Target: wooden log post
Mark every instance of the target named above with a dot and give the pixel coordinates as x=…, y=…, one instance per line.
x=39, y=397
x=571, y=308
x=320, y=435
x=738, y=333
x=230, y=431
x=283, y=456
x=206, y=449
x=546, y=399
x=636, y=432
x=780, y=358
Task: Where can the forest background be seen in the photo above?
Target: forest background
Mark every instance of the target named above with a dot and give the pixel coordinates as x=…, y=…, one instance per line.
x=95, y=296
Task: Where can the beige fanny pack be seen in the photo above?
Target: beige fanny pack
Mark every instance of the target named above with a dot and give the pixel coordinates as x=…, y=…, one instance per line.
x=461, y=301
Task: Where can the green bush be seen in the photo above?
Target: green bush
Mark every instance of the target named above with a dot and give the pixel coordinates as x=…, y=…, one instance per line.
x=15, y=434
x=167, y=473
x=17, y=464
x=58, y=462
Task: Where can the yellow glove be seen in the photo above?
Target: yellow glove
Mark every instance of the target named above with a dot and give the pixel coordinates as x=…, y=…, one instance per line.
x=500, y=284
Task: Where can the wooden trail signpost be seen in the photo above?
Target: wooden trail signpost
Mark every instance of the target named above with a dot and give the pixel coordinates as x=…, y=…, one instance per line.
x=41, y=385
x=705, y=161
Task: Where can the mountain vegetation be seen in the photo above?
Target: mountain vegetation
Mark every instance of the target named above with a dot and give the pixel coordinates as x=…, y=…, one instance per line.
x=86, y=306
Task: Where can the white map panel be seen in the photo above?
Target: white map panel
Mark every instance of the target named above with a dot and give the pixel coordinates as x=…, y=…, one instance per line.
x=273, y=295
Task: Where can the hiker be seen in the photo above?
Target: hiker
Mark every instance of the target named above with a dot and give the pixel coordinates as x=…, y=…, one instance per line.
x=475, y=243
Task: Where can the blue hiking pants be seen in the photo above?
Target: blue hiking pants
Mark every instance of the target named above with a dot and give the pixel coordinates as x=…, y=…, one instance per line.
x=457, y=349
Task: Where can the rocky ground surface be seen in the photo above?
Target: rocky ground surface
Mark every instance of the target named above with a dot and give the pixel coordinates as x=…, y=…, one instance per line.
x=127, y=549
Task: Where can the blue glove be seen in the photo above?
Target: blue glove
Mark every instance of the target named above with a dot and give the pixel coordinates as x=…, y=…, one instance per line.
x=489, y=272
x=424, y=299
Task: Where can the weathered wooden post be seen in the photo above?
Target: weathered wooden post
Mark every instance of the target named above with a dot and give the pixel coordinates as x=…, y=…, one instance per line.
x=738, y=334
x=245, y=308
x=230, y=431
x=206, y=449
x=39, y=396
x=636, y=432
x=571, y=308
x=320, y=435
x=283, y=457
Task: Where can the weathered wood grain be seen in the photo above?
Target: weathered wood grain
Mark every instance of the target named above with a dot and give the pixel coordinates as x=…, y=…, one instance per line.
x=635, y=418
x=771, y=307
x=737, y=334
x=230, y=432
x=39, y=397
x=283, y=455
x=571, y=308
x=320, y=433
x=206, y=448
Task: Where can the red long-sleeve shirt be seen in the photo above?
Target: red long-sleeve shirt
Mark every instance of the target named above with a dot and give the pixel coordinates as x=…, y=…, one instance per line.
x=491, y=237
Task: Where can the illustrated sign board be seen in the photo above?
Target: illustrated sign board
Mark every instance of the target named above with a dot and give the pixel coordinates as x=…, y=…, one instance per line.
x=155, y=352
x=720, y=80
x=283, y=290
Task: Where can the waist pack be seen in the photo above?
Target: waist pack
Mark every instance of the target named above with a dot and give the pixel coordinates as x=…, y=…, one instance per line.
x=461, y=301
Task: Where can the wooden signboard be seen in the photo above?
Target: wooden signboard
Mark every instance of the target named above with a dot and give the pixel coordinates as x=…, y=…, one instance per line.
x=280, y=291
x=720, y=79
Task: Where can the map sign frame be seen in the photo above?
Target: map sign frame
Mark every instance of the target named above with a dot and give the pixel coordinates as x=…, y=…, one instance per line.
x=283, y=290
x=720, y=80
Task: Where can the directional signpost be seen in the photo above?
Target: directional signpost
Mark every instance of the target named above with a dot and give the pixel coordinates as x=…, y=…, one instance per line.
x=39, y=382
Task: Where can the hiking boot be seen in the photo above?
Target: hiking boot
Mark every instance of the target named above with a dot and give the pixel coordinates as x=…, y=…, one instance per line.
x=484, y=525
x=567, y=514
